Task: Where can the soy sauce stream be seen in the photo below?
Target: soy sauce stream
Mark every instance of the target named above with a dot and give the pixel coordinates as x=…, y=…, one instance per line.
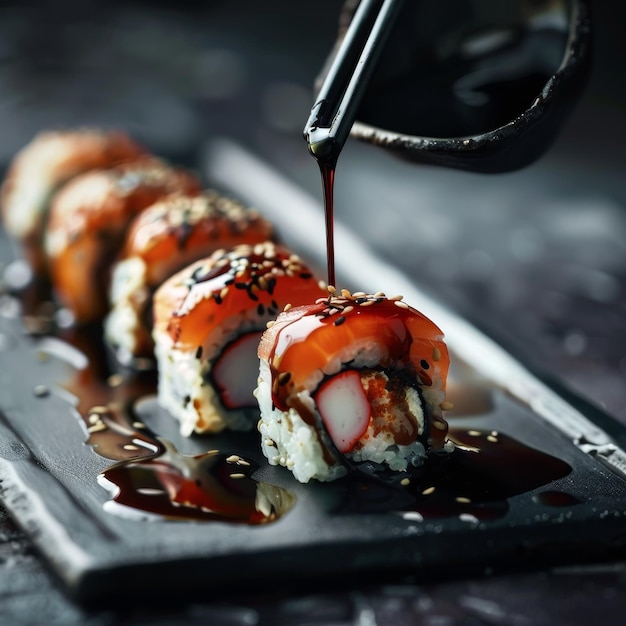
x=327, y=170
x=337, y=102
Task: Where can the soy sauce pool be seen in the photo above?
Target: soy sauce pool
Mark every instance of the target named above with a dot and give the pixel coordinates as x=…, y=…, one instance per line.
x=152, y=479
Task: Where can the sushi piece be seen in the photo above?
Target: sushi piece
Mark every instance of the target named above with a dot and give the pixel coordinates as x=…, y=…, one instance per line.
x=41, y=167
x=208, y=320
x=162, y=240
x=88, y=219
x=352, y=379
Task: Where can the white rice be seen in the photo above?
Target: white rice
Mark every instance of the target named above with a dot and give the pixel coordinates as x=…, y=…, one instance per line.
x=287, y=440
x=122, y=323
x=185, y=388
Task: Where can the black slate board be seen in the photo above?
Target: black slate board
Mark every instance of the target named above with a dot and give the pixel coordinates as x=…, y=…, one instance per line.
x=48, y=483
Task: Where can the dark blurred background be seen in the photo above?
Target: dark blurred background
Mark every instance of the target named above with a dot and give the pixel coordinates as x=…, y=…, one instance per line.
x=537, y=257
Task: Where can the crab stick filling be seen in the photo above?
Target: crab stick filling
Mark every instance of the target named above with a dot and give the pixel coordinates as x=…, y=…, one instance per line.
x=375, y=367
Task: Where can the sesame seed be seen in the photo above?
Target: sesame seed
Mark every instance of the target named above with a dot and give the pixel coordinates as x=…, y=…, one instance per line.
x=446, y=406
x=237, y=476
x=359, y=294
x=96, y=428
x=138, y=425
x=348, y=309
x=462, y=500
x=492, y=439
x=401, y=304
x=346, y=294
x=405, y=481
x=130, y=446
x=287, y=307
x=270, y=324
x=370, y=302
x=331, y=289
x=94, y=418
x=41, y=391
x=473, y=433
x=436, y=354
x=340, y=320
x=233, y=458
x=396, y=298
x=114, y=380
x=428, y=491
x=440, y=425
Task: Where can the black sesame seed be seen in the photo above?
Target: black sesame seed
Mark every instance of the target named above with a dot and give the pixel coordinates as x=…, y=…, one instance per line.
x=340, y=320
x=241, y=285
x=199, y=352
x=284, y=378
x=260, y=309
x=306, y=275
x=425, y=364
x=217, y=298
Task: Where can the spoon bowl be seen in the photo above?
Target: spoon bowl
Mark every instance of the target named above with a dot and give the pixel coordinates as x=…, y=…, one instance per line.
x=485, y=86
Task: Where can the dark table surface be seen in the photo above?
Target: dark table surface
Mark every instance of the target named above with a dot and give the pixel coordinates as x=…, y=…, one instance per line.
x=537, y=257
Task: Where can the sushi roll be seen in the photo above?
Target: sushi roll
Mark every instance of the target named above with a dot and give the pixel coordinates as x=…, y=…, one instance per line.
x=88, y=219
x=162, y=240
x=41, y=167
x=352, y=379
x=208, y=320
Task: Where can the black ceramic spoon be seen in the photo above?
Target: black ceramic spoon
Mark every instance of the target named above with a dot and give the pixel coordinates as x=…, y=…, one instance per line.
x=478, y=85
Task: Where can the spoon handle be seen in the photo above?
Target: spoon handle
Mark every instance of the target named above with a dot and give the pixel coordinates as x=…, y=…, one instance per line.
x=337, y=102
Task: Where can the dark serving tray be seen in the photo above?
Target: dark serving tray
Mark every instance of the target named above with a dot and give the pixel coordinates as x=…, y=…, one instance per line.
x=557, y=496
